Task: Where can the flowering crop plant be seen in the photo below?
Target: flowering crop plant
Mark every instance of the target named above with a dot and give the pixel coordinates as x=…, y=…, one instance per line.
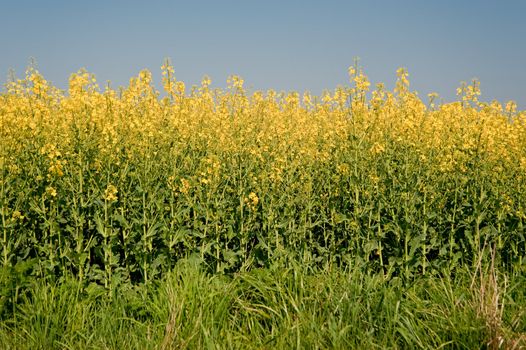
x=120, y=185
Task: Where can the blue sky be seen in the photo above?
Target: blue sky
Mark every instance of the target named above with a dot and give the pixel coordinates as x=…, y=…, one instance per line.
x=285, y=45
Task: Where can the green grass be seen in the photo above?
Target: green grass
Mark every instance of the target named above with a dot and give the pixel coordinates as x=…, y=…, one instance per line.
x=271, y=308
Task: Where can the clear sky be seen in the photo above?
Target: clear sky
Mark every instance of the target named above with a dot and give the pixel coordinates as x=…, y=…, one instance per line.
x=285, y=45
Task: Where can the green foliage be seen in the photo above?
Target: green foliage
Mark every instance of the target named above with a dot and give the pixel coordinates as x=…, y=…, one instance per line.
x=392, y=210
x=272, y=308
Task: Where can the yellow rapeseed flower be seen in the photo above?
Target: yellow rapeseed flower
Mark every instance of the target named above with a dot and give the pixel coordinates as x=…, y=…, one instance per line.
x=51, y=191
x=110, y=193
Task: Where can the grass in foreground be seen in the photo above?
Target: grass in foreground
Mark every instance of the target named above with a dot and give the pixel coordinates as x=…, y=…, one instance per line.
x=273, y=308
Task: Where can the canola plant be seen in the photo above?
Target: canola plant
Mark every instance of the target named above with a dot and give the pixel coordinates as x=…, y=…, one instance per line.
x=118, y=185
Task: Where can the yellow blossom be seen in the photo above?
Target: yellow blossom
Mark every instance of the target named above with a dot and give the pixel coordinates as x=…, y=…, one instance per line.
x=110, y=193
x=51, y=191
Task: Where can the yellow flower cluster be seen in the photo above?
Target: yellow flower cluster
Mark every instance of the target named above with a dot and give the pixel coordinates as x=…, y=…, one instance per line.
x=252, y=200
x=110, y=193
x=192, y=134
x=157, y=175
